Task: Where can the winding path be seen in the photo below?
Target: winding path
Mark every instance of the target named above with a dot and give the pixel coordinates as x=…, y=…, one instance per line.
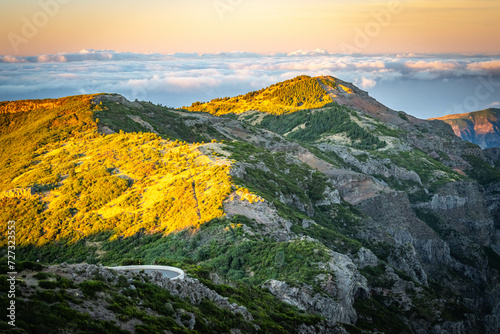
x=171, y=272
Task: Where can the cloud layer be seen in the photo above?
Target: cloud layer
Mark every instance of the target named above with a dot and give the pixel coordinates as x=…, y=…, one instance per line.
x=423, y=85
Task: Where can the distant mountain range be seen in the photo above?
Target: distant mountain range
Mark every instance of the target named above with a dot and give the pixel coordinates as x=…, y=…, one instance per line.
x=479, y=127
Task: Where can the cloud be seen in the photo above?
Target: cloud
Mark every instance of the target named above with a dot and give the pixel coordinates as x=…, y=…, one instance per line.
x=366, y=83
x=11, y=59
x=85, y=55
x=317, y=52
x=179, y=79
x=491, y=66
x=432, y=65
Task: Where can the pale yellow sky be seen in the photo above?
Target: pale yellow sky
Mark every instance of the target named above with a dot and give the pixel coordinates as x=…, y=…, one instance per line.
x=264, y=26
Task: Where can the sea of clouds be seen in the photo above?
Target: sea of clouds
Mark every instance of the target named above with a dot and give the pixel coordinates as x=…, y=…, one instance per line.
x=423, y=85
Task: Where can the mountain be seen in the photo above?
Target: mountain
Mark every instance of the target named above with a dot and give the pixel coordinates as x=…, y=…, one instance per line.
x=481, y=127
x=308, y=207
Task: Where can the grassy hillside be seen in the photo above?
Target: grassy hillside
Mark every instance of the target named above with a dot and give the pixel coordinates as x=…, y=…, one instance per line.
x=25, y=132
x=68, y=181
x=300, y=93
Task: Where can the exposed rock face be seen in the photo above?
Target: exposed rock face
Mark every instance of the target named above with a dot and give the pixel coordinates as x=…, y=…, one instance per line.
x=463, y=206
x=372, y=166
x=348, y=284
x=265, y=214
x=492, y=154
x=327, y=328
x=304, y=298
x=330, y=197
x=480, y=127
x=493, y=202
x=194, y=291
x=406, y=232
x=366, y=258
x=343, y=287
x=118, y=99
x=356, y=188
x=465, y=226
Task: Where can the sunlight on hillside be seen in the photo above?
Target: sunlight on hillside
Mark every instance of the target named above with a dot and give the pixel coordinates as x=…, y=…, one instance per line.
x=126, y=182
x=300, y=93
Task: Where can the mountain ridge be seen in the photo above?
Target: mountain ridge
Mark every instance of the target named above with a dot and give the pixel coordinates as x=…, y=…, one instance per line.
x=479, y=127
x=359, y=220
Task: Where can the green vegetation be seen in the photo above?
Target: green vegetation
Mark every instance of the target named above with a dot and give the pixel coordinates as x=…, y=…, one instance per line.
x=433, y=173
x=49, y=308
x=294, y=180
x=288, y=178
x=297, y=92
x=133, y=197
x=25, y=134
x=481, y=171
x=69, y=181
x=220, y=245
x=385, y=130
x=302, y=92
x=165, y=122
x=375, y=316
x=114, y=182
x=310, y=126
x=403, y=116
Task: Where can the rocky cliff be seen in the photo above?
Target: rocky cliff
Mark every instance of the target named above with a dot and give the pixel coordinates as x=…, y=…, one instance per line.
x=480, y=127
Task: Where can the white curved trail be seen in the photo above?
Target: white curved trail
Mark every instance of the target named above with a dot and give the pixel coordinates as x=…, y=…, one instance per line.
x=171, y=272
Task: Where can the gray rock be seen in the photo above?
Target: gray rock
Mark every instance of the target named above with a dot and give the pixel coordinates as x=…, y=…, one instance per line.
x=366, y=258
x=342, y=286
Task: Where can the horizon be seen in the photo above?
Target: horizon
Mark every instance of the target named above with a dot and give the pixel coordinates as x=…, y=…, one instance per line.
x=176, y=53
x=451, y=83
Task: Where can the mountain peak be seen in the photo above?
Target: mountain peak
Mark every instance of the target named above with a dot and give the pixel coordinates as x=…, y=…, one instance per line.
x=302, y=92
x=478, y=127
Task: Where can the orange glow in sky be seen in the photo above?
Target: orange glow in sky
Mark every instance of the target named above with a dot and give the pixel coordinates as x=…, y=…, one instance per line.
x=33, y=27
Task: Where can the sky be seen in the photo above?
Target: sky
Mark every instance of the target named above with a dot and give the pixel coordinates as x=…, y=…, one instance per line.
x=262, y=26
x=426, y=57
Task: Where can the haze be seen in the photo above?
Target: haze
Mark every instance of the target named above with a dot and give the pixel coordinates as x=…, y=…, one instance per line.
x=428, y=58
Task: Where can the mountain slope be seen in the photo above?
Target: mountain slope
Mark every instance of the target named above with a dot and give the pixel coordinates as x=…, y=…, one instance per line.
x=128, y=182
x=480, y=127
x=300, y=93
x=359, y=219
